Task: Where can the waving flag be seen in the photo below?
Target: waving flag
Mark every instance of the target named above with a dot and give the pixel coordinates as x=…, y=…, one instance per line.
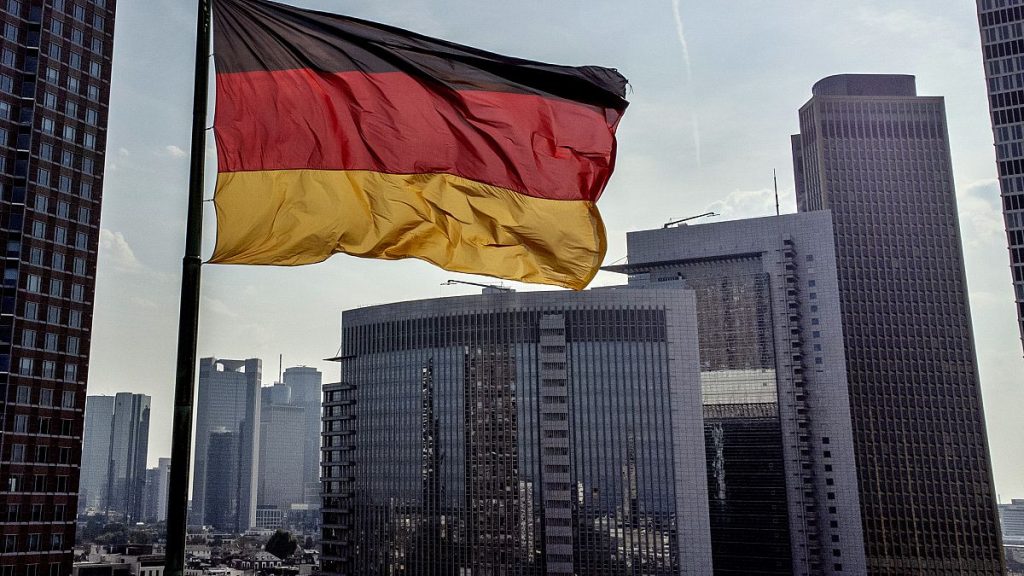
x=337, y=135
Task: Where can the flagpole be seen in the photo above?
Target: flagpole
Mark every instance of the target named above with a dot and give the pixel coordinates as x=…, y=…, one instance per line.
x=188, y=319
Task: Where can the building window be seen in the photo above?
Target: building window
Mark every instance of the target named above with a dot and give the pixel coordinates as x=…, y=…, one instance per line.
x=28, y=338
x=51, y=342
x=49, y=368
x=21, y=423
x=72, y=345
x=46, y=397
x=23, y=395
x=56, y=287
x=60, y=235
x=70, y=373
x=78, y=292
x=75, y=319
x=33, y=283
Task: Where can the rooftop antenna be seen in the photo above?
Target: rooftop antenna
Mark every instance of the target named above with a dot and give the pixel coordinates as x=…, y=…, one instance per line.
x=498, y=287
x=280, y=368
x=775, y=180
x=671, y=223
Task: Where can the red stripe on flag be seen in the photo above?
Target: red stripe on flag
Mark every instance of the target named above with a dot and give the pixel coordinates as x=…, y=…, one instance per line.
x=389, y=122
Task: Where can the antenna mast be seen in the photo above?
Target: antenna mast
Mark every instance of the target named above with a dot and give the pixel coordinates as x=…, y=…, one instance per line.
x=775, y=181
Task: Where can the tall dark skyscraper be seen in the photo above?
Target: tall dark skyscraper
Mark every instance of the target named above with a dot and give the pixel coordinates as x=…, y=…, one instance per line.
x=1002, y=41
x=877, y=155
x=541, y=433
x=54, y=88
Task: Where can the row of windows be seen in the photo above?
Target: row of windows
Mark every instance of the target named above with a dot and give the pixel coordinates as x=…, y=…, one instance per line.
x=42, y=204
x=71, y=109
x=75, y=62
x=33, y=542
x=73, y=9
x=38, y=513
x=51, y=341
x=27, y=367
x=21, y=454
x=53, y=314
x=60, y=235
x=43, y=426
x=23, y=395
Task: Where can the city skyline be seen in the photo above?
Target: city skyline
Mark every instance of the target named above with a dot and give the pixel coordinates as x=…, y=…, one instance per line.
x=730, y=95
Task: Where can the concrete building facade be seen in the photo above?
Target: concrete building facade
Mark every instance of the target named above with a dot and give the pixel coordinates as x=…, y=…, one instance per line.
x=782, y=488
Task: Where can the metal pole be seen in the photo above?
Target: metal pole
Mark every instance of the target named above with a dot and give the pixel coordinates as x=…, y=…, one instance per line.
x=188, y=319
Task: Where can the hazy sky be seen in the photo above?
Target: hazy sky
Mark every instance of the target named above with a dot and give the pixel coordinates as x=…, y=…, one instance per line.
x=714, y=93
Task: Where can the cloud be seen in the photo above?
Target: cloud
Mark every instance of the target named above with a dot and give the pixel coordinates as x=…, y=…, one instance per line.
x=175, y=152
x=115, y=251
x=745, y=204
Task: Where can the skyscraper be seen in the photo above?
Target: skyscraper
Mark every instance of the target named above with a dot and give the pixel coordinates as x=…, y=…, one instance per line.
x=129, y=448
x=114, y=453
x=99, y=419
x=877, y=155
x=1002, y=41
x=54, y=88
x=156, y=491
x=782, y=486
x=534, y=433
x=282, y=436
x=228, y=405
x=304, y=382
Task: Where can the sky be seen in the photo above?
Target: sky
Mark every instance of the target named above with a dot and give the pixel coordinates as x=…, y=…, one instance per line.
x=714, y=92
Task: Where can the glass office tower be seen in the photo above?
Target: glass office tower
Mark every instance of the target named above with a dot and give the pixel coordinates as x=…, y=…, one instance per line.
x=517, y=433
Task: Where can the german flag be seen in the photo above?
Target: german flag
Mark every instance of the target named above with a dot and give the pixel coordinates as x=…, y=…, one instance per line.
x=340, y=135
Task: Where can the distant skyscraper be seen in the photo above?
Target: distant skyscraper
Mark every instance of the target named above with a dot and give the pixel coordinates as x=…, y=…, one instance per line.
x=531, y=433
x=304, y=383
x=220, y=497
x=99, y=420
x=782, y=485
x=156, y=491
x=54, y=88
x=129, y=448
x=1002, y=40
x=114, y=454
x=1011, y=517
x=877, y=155
x=228, y=403
x=282, y=436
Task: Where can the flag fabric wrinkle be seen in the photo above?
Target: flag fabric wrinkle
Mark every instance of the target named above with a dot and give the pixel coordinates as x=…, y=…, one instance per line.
x=338, y=135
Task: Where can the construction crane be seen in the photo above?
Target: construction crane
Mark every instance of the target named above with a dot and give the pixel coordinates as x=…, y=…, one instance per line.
x=496, y=287
x=681, y=220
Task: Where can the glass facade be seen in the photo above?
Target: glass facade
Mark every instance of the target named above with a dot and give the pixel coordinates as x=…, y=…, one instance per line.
x=523, y=435
x=742, y=431
x=877, y=155
x=54, y=88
